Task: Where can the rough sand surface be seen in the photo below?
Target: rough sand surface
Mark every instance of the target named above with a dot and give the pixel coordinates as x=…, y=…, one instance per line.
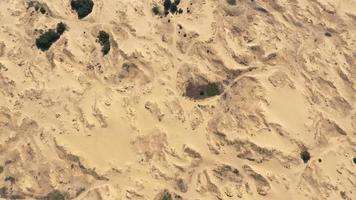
x=80, y=125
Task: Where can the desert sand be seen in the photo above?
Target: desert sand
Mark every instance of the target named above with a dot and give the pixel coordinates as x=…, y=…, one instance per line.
x=136, y=124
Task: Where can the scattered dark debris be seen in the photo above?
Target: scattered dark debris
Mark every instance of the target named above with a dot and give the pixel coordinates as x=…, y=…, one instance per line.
x=231, y=2
x=305, y=156
x=104, y=40
x=203, y=91
x=320, y=160
x=328, y=34
x=82, y=7
x=45, y=41
x=184, y=35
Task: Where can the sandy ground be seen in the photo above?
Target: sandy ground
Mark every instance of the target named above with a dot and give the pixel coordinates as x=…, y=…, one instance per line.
x=80, y=125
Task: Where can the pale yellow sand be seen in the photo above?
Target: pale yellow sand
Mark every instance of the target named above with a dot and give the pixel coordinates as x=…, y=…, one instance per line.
x=120, y=127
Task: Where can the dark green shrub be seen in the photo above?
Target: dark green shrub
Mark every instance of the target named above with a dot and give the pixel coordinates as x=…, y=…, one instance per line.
x=45, y=41
x=305, y=156
x=354, y=159
x=173, y=8
x=167, y=5
x=177, y=2
x=231, y=2
x=104, y=40
x=212, y=89
x=38, y=6
x=156, y=10
x=82, y=7
x=167, y=196
x=61, y=27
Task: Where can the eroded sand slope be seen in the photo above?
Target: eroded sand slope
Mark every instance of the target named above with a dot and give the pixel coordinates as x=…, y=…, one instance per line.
x=78, y=124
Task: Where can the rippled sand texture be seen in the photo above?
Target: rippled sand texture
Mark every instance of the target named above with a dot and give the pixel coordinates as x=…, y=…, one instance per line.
x=136, y=123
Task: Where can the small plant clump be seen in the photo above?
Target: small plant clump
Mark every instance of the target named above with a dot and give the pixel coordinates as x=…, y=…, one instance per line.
x=61, y=27
x=354, y=159
x=212, y=89
x=169, y=7
x=167, y=196
x=39, y=7
x=104, y=40
x=305, y=156
x=82, y=7
x=45, y=41
x=156, y=10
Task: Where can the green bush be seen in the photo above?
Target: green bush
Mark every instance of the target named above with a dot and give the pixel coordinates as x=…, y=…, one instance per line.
x=45, y=41
x=61, y=27
x=167, y=5
x=156, y=10
x=212, y=89
x=167, y=196
x=104, y=40
x=305, y=156
x=82, y=7
x=39, y=7
x=173, y=8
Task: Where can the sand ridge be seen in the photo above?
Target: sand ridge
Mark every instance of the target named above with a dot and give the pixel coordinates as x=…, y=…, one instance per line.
x=75, y=124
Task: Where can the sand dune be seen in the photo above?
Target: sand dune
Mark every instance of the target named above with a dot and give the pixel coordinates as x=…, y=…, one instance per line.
x=221, y=100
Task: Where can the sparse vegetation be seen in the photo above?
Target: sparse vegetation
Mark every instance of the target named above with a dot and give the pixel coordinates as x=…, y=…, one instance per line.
x=169, y=7
x=202, y=91
x=45, y=41
x=55, y=195
x=39, y=7
x=305, y=156
x=354, y=159
x=173, y=8
x=11, y=179
x=104, y=40
x=167, y=196
x=231, y=2
x=82, y=7
x=212, y=89
x=156, y=10
x=61, y=27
